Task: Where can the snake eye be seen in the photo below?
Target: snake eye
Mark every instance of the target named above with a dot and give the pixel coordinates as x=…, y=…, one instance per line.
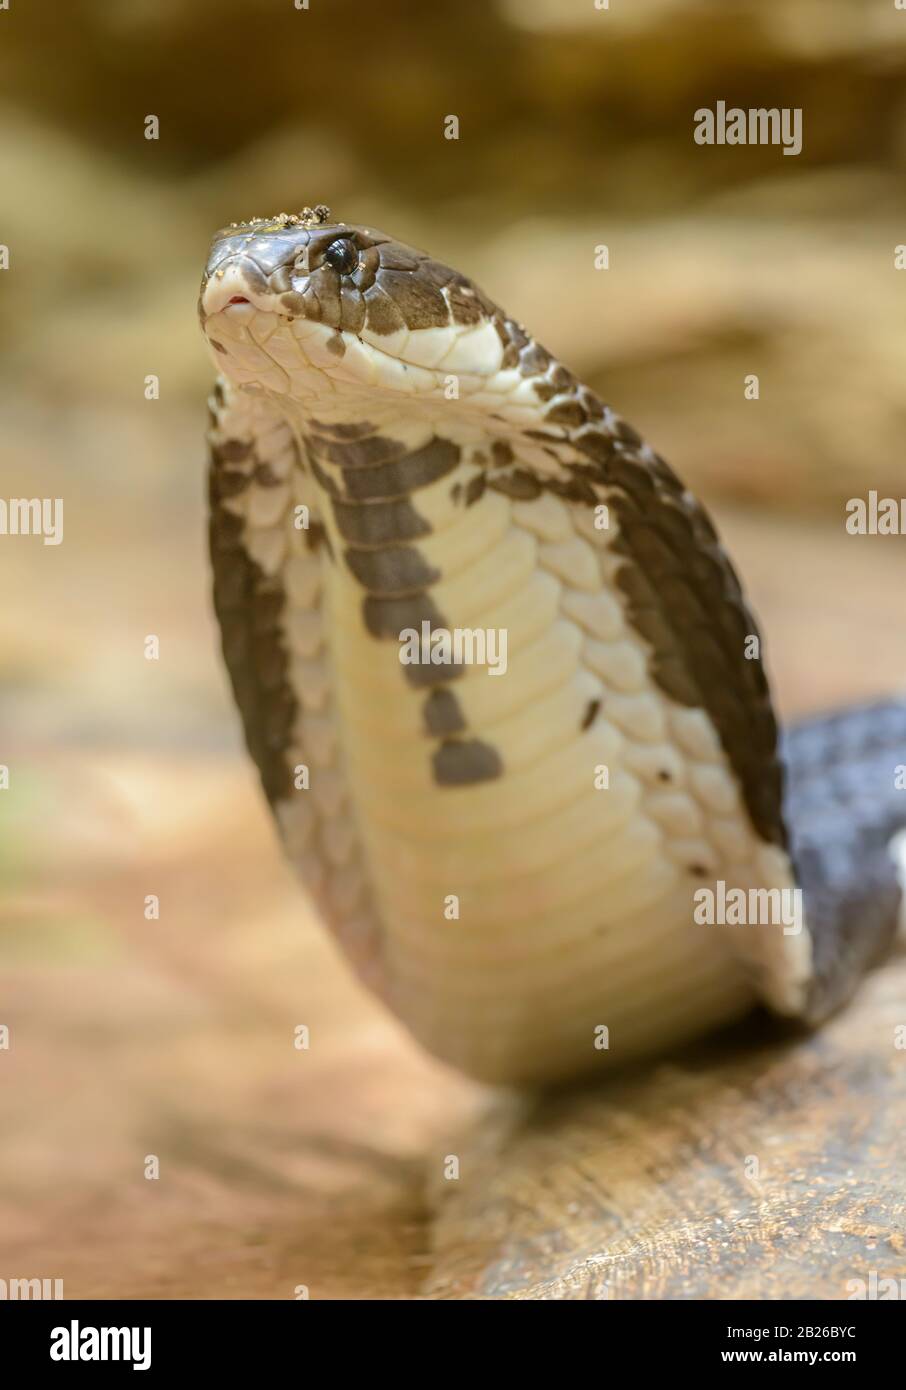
x=342, y=255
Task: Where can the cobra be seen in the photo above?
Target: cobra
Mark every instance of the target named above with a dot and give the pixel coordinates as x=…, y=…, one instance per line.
x=516, y=865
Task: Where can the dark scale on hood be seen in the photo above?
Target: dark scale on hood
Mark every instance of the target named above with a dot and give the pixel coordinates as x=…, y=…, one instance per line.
x=682, y=595
x=249, y=608
x=462, y=762
x=372, y=482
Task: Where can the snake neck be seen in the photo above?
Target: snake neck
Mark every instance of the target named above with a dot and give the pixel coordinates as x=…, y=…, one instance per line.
x=432, y=782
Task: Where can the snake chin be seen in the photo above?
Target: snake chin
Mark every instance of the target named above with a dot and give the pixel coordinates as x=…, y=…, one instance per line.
x=259, y=348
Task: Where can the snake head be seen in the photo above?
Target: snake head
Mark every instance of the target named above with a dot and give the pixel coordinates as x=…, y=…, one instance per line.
x=289, y=300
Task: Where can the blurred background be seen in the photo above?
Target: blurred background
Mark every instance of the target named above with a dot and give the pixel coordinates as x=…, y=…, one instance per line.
x=174, y=1037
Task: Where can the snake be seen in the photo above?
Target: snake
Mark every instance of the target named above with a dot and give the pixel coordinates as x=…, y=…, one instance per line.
x=506, y=697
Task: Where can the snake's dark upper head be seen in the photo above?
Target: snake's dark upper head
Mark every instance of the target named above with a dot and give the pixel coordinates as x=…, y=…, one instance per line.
x=358, y=304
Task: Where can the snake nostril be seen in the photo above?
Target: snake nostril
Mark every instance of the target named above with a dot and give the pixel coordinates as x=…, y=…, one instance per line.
x=239, y=299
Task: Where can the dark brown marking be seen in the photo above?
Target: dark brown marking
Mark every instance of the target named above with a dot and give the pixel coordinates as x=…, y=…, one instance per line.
x=379, y=523
x=340, y=431
x=501, y=453
x=298, y=306
x=475, y=488
x=352, y=308
x=596, y=445
x=569, y=413
x=534, y=360
x=545, y=436
x=404, y=475
x=265, y=476
x=627, y=434
x=325, y=284
x=574, y=489
x=382, y=315
x=512, y=339
x=421, y=305
x=336, y=345
x=563, y=379
x=517, y=334
x=358, y=453
x=396, y=257
x=442, y=714
x=231, y=450
x=465, y=307
x=369, y=265
x=248, y=607
x=228, y=482
x=462, y=762
x=520, y=485
x=395, y=570
x=389, y=617
x=590, y=714
x=316, y=536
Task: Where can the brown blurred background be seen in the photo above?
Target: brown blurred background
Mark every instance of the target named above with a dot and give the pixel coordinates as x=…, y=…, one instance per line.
x=175, y=1037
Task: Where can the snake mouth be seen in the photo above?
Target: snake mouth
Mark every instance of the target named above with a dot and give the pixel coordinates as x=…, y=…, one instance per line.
x=231, y=284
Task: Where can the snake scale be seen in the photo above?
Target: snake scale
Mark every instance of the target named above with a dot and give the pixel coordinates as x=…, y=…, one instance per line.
x=512, y=859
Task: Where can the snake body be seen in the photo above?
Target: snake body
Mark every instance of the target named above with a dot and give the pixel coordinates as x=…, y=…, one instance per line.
x=510, y=861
